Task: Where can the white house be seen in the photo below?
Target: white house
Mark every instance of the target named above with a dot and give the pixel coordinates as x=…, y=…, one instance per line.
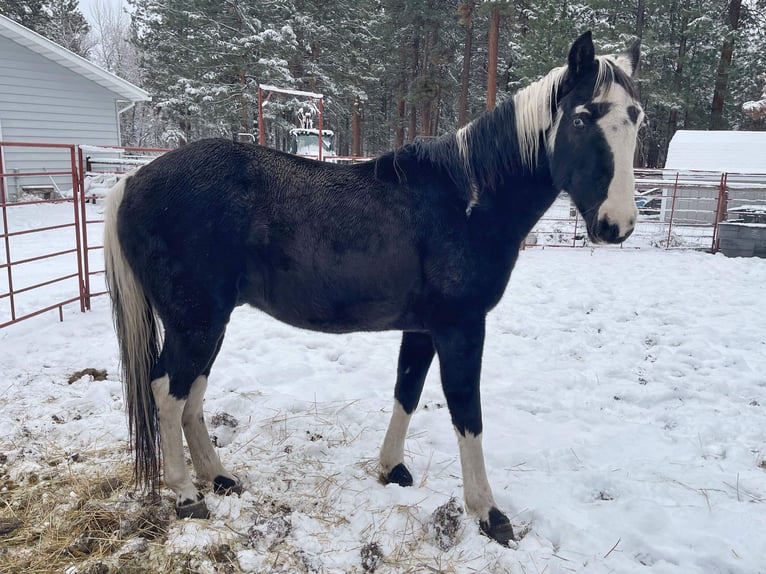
x=51, y=95
x=699, y=158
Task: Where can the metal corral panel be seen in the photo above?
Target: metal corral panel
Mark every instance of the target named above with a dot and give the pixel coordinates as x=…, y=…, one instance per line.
x=699, y=158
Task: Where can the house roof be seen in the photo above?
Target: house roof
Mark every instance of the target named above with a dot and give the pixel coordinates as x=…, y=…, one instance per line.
x=37, y=43
x=725, y=151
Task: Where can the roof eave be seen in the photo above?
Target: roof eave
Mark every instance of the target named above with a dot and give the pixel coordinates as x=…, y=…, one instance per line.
x=49, y=49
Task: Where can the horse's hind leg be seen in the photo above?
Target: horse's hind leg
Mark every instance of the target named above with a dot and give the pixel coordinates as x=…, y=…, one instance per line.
x=184, y=362
x=206, y=462
x=415, y=356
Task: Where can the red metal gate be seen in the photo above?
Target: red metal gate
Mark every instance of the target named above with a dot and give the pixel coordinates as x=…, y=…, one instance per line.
x=22, y=298
x=36, y=278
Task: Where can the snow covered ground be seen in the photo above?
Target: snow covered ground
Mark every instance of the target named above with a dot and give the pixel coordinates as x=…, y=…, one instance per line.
x=624, y=396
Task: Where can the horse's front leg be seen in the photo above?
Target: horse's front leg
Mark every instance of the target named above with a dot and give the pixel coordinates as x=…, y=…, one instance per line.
x=415, y=356
x=460, y=350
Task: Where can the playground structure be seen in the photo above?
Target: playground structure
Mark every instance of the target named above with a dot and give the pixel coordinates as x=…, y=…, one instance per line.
x=304, y=139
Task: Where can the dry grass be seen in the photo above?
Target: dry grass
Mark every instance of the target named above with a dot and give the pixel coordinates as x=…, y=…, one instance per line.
x=74, y=516
x=80, y=515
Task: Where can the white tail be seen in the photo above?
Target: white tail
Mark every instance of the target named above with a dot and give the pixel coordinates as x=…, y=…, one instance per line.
x=139, y=341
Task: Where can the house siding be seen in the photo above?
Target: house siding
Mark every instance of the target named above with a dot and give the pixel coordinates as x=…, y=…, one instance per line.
x=44, y=102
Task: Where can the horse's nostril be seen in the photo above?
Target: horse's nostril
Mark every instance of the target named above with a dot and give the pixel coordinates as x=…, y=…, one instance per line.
x=609, y=232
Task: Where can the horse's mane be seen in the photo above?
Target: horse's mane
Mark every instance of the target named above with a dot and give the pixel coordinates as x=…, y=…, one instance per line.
x=442, y=153
x=489, y=150
x=504, y=140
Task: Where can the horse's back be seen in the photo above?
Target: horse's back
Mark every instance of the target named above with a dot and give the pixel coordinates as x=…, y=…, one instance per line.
x=317, y=245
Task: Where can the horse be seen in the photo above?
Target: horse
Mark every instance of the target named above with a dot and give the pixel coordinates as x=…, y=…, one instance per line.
x=420, y=240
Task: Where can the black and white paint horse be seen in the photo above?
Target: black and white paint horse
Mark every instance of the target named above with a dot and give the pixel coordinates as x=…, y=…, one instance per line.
x=420, y=240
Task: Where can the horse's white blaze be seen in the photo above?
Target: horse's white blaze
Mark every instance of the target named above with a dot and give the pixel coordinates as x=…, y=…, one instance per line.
x=392, y=451
x=476, y=490
x=170, y=411
x=620, y=132
x=205, y=459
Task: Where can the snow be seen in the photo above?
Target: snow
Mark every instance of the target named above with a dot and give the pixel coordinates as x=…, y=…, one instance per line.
x=723, y=151
x=292, y=92
x=624, y=410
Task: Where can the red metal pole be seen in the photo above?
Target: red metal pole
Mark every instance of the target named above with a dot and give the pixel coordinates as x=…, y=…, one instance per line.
x=6, y=237
x=672, y=211
x=78, y=199
x=720, y=212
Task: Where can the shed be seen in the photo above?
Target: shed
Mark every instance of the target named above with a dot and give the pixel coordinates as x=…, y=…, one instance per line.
x=699, y=158
x=51, y=95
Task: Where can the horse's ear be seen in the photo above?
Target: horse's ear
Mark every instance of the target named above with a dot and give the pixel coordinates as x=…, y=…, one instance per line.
x=630, y=60
x=582, y=55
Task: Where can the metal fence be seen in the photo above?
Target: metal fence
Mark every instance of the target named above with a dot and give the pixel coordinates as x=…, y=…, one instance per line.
x=50, y=236
x=678, y=209
x=46, y=230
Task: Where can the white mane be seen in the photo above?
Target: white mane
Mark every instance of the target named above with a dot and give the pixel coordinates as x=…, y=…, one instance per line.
x=533, y=107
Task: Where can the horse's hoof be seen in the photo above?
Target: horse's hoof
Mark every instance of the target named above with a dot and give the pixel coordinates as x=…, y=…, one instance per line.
x=226, y=486
x=399, y=475
x=497, y=527
x=193, y=508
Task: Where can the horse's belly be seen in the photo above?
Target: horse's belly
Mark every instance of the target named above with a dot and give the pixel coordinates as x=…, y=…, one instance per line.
x=335, y=301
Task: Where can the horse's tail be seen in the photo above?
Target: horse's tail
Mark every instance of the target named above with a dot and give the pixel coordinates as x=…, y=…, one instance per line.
x=139, y=341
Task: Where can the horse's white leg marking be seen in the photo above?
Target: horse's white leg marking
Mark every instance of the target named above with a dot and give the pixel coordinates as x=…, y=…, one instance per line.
x=170, y=411
x=476, y=490
x=205, y=459
x=392, y=451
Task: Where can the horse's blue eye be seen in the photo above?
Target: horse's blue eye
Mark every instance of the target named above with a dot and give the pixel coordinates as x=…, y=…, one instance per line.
x=578, y=122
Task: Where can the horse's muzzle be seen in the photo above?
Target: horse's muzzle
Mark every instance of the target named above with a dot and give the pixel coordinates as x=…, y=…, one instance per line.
x=604, y=231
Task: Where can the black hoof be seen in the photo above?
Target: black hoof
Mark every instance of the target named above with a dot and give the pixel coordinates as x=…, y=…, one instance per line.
x=399, y=475
x=193, y=508
x=226, y=486
x=498, y=527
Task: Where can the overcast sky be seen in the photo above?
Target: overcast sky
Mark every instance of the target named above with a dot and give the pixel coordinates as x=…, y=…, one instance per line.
x=87, y=6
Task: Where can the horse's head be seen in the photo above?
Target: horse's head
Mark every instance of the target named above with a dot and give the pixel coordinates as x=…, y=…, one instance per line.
x=593, y=138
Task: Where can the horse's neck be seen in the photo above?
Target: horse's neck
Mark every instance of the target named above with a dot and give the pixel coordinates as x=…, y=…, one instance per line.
x=520, y=189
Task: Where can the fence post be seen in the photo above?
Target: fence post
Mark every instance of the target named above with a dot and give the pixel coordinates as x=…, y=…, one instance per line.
x=6, y=238
x=672, y=212
x=720, y=212
x=79, y=227
x=84, y=230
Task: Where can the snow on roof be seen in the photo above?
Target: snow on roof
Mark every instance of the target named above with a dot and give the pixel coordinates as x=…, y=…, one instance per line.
x=48, y=49
x=727, y=151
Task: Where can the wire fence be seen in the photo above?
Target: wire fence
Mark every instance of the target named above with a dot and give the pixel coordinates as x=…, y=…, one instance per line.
x=52, y=220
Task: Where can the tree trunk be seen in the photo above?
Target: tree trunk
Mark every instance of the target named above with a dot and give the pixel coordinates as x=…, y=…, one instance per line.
x=466, y=19
x=400, y=113
x=724, y=64
x=494, y=34
x=640, y=18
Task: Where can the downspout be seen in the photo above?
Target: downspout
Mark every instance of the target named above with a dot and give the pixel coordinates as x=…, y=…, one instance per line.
x=130, y=106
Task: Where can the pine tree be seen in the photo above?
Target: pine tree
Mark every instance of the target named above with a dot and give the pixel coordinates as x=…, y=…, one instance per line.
x=58, y=20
